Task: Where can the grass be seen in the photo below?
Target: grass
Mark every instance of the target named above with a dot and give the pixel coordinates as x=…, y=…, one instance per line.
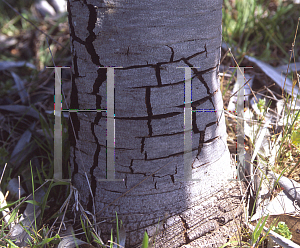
x=264, y=29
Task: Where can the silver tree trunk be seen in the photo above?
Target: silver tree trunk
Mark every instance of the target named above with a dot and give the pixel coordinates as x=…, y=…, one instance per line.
x=149, y=39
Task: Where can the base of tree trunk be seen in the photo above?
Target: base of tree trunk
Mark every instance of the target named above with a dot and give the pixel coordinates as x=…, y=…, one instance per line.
x=207, y=222
x=209, y=226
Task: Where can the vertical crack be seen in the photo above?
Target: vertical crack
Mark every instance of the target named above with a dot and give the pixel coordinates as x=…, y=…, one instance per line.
x=185, y=226
x=149, y=110
x=201, y=141
x=130, y=166
x=157, y=74
x=172, y=178
x=194, y=121
x=143, y=144
x=95, y=161
x=92, y=19
x=98, y=82
x=172, y=55
x=89, y=40
x=125, y=181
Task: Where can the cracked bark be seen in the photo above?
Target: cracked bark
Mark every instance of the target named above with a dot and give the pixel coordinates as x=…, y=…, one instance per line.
x=150, y=39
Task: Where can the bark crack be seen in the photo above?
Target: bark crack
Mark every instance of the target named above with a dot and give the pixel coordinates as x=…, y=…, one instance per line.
x=185, y=226
x=160, y=116
x=172, y=55
x=98, y=81
x=165, y=62
x=149, y=111
x=143, y=144
x=157, y=74
x=92, y=36
x=169, y=156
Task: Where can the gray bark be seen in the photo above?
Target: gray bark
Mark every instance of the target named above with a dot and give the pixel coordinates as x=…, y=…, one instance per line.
x=149, y=39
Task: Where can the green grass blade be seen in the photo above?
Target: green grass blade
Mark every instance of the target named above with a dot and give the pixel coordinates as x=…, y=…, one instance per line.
x=145, y=240
x=112, y=239
x=118, y=236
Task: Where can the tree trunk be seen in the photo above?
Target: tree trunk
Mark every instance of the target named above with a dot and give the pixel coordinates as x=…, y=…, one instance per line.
x=149, y=39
